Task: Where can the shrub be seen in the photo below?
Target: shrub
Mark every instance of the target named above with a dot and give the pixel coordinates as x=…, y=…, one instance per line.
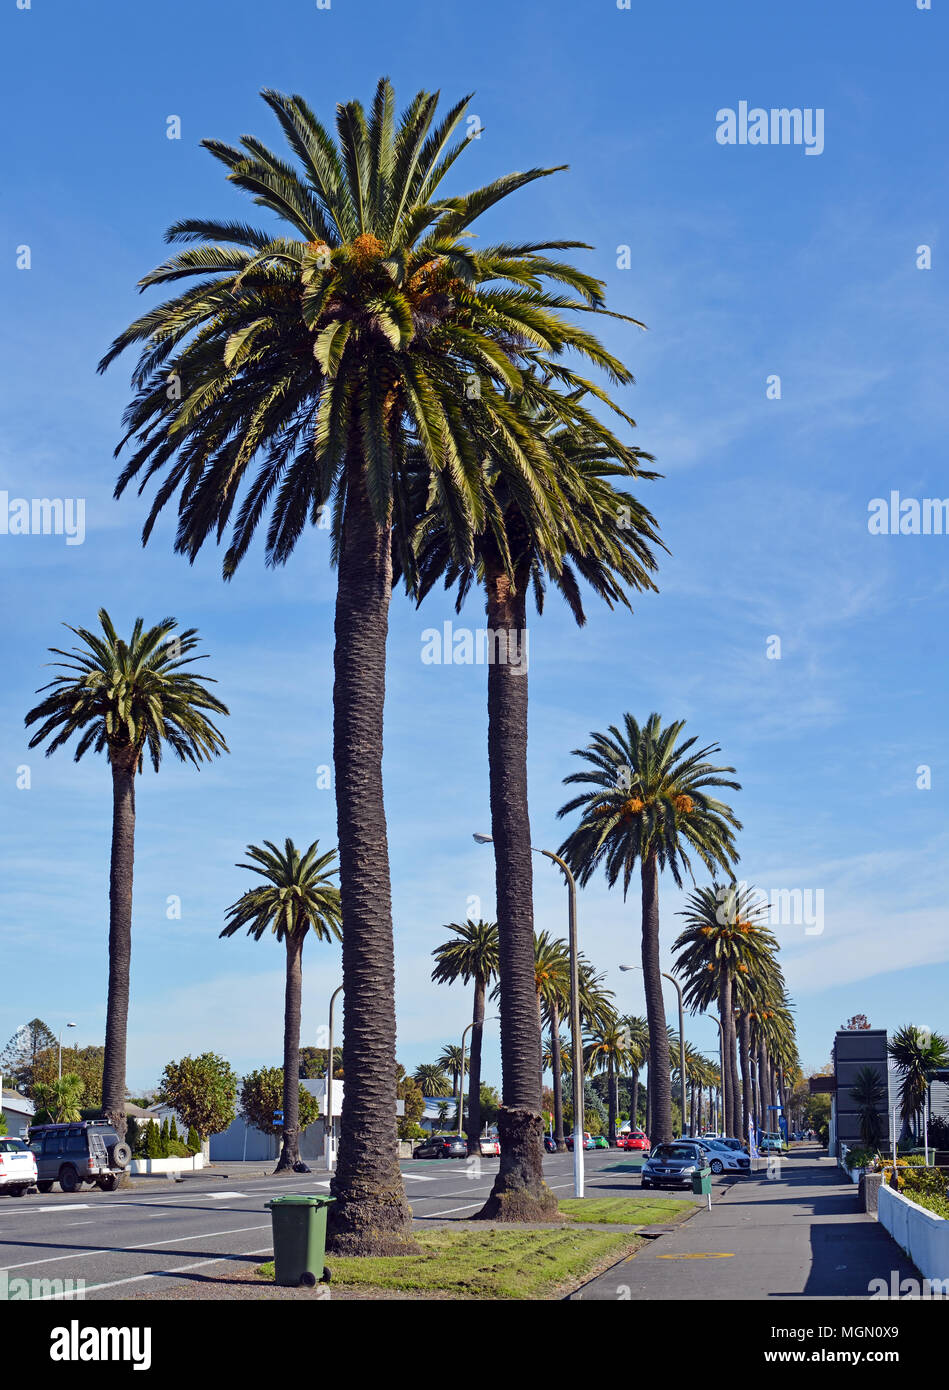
x=862, y=1158
x=173, y=1136
x=194, y=1141
x=154, y=1147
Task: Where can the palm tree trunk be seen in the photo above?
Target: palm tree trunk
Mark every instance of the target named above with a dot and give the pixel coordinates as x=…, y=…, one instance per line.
x=744, y=1042
x=474, y=1069
x=660, y=1077
x=611, y=1093
x=293, y=995
x=120, y=940
x=736, y=1084
x=519, y=1192
x=370, y=1215
x=724, y=1014
x=557, y=1068
x=763, y=1118
x=634, y=1100
x=648, y=1104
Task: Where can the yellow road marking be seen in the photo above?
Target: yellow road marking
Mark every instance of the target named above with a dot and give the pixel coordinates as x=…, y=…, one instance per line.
x=701, y=1255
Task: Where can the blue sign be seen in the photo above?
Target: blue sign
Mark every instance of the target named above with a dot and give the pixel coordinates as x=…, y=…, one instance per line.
x=278, y=1117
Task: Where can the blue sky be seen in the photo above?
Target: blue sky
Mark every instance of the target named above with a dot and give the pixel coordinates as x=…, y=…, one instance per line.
x=744, y=262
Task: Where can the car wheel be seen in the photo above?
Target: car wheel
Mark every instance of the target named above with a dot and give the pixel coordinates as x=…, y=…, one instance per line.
x=644, y=1183
x=69, y=1179
x=18, y=1191
x=108, y=1184
x=44, y=1186
x=717, y=1166
x=121, y=1155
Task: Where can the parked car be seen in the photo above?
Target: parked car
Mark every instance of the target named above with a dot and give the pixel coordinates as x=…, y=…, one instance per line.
x=71, y=1154
x=634, y=1139
x=771, y=1143
x=738, y=1145
x=550, y=1144
x=442, y=1146
x=489, y=1146
x=672, y=1165
x=587, y=1141
x=17, y=1167
x=722, y=1158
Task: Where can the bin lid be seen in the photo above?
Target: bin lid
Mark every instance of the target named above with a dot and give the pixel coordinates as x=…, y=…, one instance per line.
x=298, y=1199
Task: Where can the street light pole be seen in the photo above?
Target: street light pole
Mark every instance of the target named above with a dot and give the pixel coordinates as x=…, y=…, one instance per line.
x=666, y=976
x=461, y=1079
x=61, y=1031
x=328, y=1136
x=576, y=1038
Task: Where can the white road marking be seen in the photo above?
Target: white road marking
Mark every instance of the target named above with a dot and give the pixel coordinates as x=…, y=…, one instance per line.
x=70, y=1206
x=430, y=1215
x=128, y=1249
x=158, y=1274
x=221, y=1196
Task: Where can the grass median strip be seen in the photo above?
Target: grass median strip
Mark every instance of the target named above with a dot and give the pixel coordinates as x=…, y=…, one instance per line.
x=625, y=1211
x=488, y=1263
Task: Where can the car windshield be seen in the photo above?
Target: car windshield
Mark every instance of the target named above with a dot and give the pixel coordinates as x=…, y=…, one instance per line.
x=12, y=1146
x=675, y=1151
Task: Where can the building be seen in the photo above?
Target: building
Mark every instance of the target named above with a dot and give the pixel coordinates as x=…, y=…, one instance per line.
x=242, y=1141
x=18, y=1113
x=854, y=1049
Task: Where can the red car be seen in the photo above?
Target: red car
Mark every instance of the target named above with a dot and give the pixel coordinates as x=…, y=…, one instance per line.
x=633, y=1139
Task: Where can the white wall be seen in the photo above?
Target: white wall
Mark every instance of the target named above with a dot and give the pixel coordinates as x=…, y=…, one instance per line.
x=923, y=1235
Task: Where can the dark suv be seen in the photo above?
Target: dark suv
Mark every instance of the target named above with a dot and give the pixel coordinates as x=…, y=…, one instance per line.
x=71, y=1154
x=442, y=1146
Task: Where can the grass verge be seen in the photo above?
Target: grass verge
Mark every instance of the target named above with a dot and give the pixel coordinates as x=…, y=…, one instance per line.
x=627, y=1211
x=491, y=1263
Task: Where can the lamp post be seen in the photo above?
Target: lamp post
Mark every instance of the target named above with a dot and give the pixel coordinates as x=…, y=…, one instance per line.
x=576, y=1038
x=461, y=1079
x=61, y=1031
x=665, y=976
x=328, y=1138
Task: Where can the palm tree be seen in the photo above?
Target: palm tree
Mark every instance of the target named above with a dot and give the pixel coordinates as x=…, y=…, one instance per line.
x=296, y=896
x=917, y=1053
x=60, y=1098
x=648, y=804
x=369, y=325
x=868, y=1092
x=450, y=1060
x=432, y=1079
x=604, y=538
x=472, y=956
x=725, y=952
x=637, y=1047
x=127, y=699
x=607, y=1050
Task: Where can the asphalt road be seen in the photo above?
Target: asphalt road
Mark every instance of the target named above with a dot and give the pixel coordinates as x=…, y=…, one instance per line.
x=120, y=1243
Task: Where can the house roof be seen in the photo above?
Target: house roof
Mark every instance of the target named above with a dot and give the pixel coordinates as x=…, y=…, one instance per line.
x=13, y=1100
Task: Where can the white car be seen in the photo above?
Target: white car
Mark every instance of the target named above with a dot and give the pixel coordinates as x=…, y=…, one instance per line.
x=721, y=1158
x=17, y=1167
x=489, y=1146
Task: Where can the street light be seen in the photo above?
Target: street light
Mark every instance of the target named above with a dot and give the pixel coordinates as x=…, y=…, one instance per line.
x=665, y=976
x=576, y=1038
x=328, y=1135
x=461, y=1078
x=61, y=1031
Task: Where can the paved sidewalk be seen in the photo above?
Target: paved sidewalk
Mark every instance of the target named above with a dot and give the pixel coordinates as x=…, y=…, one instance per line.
x=799, y=1236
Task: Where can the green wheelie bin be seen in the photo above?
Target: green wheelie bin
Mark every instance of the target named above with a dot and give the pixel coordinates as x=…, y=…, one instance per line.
x=299, y=1239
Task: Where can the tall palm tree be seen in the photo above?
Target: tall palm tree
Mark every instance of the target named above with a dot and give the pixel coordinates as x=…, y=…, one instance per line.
x=472, y=956
x=364, y=325
x=607, y=1050
x=648, y=804
x=725, y=952
x=868, y=1093
x=917, y=1053
x=450, y=1060
x=297, y=895
x=127, y=700
x=605, y=538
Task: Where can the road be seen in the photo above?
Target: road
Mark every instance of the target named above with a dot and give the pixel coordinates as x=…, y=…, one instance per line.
x=119, y=1243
